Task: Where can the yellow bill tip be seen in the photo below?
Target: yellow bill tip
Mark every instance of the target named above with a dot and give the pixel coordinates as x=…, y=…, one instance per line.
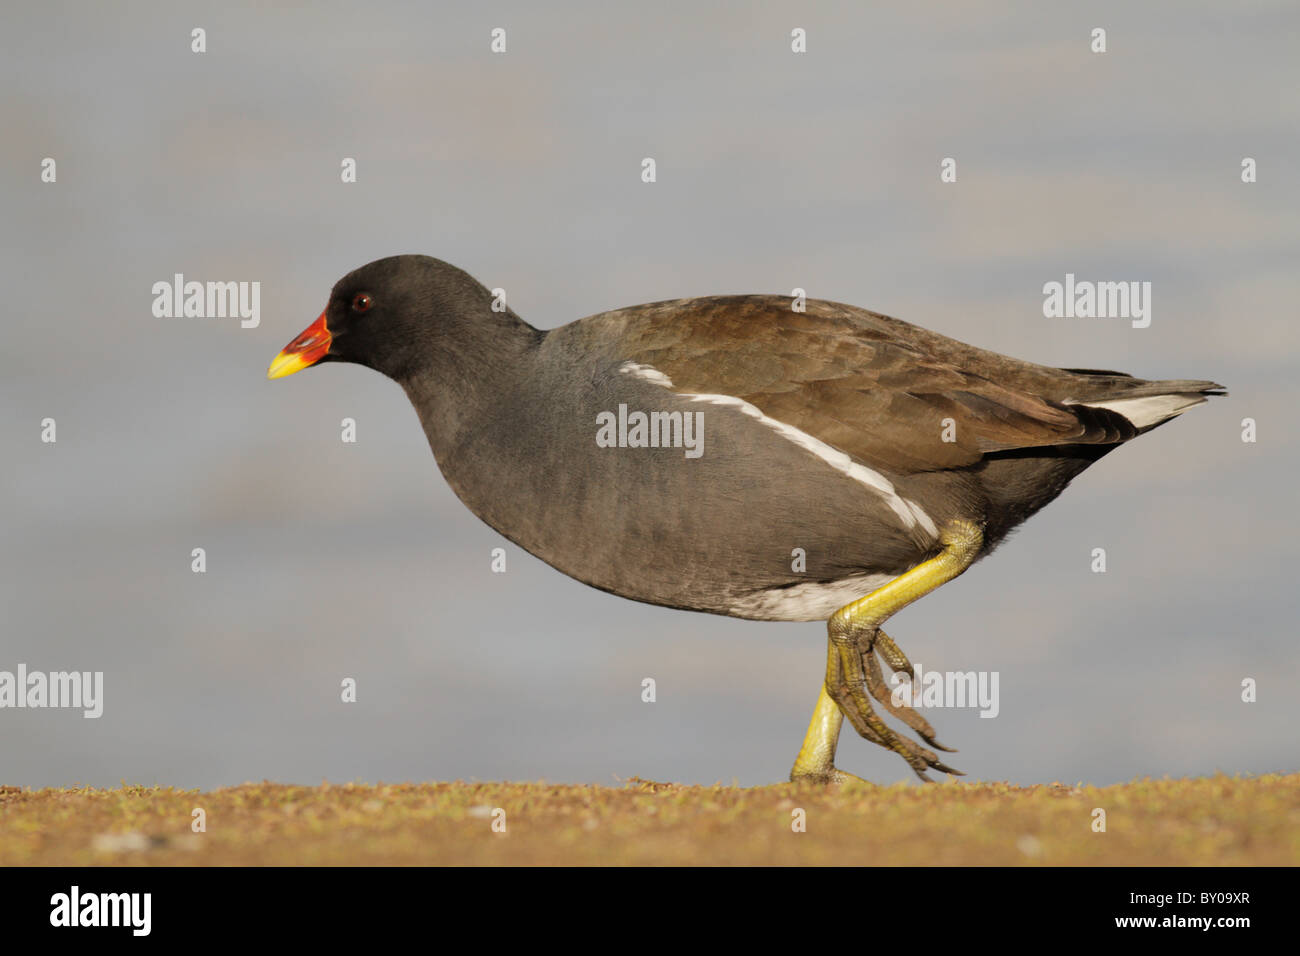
x=286, y=363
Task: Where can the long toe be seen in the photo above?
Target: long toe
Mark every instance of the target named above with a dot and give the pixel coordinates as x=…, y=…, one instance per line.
x=882, y=692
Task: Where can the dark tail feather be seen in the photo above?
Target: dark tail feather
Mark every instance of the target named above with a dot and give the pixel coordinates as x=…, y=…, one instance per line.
x=1145, y=404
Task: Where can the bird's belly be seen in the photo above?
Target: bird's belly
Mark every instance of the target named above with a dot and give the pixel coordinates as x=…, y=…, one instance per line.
x=754, y=527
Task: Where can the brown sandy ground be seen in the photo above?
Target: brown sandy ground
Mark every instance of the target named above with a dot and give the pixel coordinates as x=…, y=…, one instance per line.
x=1211, y=820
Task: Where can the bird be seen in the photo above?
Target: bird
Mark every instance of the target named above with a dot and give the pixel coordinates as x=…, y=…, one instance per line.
x=679, y=452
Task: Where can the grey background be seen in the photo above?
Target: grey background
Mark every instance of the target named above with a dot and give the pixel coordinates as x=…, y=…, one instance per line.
x=775, y=170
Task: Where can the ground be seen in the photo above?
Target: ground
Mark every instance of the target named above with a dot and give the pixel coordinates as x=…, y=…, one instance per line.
x=1210, y=820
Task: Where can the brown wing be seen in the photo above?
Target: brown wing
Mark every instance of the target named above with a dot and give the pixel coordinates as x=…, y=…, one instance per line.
x=883, y=391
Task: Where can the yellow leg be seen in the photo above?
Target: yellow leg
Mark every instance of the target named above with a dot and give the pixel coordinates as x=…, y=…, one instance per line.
x=816, y=760
x=853, y=630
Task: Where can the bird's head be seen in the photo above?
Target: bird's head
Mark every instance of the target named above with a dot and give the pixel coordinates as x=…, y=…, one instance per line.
x=390, y=315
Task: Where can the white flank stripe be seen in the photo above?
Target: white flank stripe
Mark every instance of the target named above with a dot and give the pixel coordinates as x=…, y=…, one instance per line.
x=910, y=512
x=1150, y=410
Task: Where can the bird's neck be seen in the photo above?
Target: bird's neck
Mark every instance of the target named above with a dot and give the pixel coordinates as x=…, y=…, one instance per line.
x=472, y=381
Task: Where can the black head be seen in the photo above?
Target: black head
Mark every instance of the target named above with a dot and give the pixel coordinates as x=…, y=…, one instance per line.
x=398, y=316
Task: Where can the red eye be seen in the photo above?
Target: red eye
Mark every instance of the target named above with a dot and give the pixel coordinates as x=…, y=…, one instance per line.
x=362, y=302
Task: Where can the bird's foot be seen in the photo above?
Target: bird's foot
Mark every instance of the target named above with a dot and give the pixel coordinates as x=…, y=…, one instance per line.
x=828, y=777
x=853, y=677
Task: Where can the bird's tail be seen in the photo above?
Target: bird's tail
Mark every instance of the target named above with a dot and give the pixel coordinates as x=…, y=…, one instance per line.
x=1145, y=404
